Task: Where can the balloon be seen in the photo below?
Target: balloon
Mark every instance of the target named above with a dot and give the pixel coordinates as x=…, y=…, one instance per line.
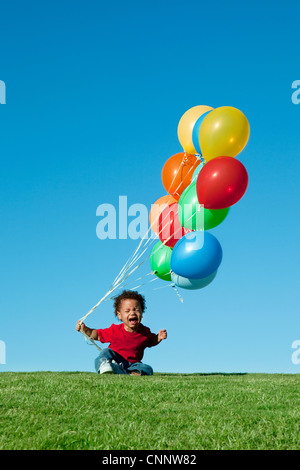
x=224, y=131
x=186, y=126
x=196, y=217
x=192, y=284
x=157, y=208
x=177, y=173
x=221, y=183
x=196, y=255
x=160, y=258
x=169, y=226
x=196, y=130
x=214, y=217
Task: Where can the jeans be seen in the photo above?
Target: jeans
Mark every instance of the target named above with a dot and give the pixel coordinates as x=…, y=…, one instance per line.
x=125, y=367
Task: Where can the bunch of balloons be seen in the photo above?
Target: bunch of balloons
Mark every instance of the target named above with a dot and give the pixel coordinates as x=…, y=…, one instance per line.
x=202, y=183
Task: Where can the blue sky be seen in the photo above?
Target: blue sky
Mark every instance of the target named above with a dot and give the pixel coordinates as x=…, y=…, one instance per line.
x=94, y=94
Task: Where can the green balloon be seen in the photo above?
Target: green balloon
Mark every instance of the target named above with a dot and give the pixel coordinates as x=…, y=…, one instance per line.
x=160, y=260
x=214, y=217
x=194, y=217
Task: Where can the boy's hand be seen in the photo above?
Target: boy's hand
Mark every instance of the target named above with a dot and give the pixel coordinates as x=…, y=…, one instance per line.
x=93, y=334
x=162, y=334
x=80, y=326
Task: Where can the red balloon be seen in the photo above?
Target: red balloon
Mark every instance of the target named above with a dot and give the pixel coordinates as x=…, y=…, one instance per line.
x=170, y=229
x=221, y=183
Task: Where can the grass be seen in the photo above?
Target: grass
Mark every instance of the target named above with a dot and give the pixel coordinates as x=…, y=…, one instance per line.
x=81, y=410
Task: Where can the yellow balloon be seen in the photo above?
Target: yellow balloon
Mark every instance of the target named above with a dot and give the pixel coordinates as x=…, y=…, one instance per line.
x=224, y=132
x=186, y=126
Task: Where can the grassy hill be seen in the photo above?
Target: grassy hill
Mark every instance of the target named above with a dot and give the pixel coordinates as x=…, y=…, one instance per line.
x=81, y=410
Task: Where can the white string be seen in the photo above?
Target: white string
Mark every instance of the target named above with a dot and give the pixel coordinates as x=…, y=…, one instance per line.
x=107, y=294
x=162, y=287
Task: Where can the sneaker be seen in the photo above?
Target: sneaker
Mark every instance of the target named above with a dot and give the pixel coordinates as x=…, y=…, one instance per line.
x=106, y=368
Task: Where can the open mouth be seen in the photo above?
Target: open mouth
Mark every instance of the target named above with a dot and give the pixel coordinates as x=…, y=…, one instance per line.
x=133, y=320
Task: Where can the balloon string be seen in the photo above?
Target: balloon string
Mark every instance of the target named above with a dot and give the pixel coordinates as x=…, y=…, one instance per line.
x=139, y=278
x=151, y=273
x=178, y=294
x=149, y=241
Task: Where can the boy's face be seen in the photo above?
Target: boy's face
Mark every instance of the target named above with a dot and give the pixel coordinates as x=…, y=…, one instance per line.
x=130, y=314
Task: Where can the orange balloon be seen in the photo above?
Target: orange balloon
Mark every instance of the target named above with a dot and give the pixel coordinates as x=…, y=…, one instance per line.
x=157, y=209
x=177, y=173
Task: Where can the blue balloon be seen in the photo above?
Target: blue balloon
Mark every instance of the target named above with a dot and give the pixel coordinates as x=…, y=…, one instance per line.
x=192, y=284
x=196, y=130
x=196, y=255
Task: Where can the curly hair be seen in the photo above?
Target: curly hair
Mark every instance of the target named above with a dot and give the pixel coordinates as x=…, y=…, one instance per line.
x=129, y=294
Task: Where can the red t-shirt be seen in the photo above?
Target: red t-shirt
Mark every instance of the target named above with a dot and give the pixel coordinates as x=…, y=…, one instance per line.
x=129, y=345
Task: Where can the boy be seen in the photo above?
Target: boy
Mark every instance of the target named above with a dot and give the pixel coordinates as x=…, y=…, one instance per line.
x=128, y=340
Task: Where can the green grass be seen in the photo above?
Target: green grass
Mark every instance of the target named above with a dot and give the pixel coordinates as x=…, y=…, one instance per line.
x=65, y=410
